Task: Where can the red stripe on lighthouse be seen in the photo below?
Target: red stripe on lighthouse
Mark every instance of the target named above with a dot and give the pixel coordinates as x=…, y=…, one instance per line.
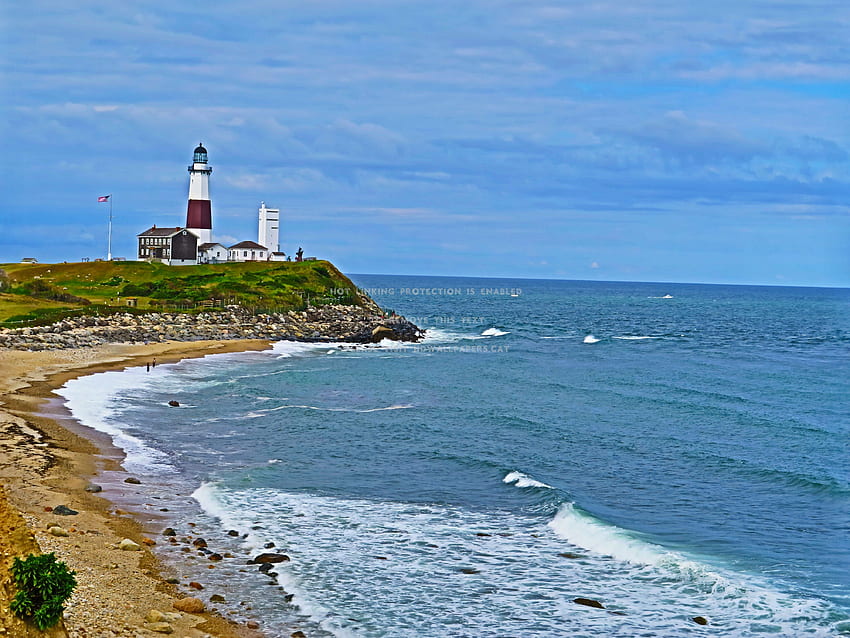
x=199, y=214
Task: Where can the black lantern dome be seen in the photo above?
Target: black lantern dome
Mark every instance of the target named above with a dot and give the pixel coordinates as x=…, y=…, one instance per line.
x=201, y=154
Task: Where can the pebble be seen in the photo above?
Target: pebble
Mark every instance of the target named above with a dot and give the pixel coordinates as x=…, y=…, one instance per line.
x=57, y=531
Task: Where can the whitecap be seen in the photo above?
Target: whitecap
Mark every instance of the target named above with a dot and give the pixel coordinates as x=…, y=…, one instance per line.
x=494, y=332
x=590, y=339
x=523, y=480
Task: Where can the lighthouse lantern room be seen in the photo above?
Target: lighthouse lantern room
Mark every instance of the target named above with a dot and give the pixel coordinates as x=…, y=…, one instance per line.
x=199, y=213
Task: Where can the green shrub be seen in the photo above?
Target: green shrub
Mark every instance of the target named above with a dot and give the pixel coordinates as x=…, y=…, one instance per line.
x=44, y=584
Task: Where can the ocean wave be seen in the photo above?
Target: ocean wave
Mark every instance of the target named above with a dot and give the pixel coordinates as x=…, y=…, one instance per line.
x=523, y=480
x=255, y=414
x=494, y=332
x=635, y=338
x=591, y=339
x=93, y=400
x=333, y=543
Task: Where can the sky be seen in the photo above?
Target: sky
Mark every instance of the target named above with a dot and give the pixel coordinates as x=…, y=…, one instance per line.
x=637, y=140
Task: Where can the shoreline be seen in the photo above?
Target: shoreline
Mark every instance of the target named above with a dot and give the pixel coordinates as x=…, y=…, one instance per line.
x=47, y=459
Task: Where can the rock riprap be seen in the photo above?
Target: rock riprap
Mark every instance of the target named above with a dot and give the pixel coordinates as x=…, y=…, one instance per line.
x=351, y=324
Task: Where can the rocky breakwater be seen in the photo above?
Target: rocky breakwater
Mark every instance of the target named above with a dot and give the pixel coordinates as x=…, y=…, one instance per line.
x=352, y=324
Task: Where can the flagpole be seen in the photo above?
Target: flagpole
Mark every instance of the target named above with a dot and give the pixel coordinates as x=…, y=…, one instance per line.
x=109, y=241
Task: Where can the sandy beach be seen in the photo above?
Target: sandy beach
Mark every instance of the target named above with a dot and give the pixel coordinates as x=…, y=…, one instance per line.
x=46, y=460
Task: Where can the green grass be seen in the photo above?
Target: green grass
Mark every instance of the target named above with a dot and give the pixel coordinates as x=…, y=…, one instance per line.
x=42, y=293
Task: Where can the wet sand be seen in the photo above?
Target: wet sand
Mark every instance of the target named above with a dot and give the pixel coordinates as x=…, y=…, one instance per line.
x=47, y=460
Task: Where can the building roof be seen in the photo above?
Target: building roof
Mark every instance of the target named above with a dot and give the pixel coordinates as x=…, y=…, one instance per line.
x=279, y=253
x=250, y=245
x=208, y=245
x=153, y=231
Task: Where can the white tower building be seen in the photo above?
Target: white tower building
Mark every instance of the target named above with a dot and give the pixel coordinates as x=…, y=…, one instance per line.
x=269, y=235
x=199, y=213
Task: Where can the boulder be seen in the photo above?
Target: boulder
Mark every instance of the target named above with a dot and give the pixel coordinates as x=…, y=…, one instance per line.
x=129, y=546
x=57, y=531
x=64, y=510
x=269, y=558
x=132, y=480
x=174, y=404
x=297, y=634
x=169, y=531
x=252, y=624
x=215, y=557
x=217, y=598
x=265, y=567
x=189, y=605
x=700, y=620
x=199, y=542
x=196, y=585
x=232, y=532
x=382, y=332
x=589, y=602
x=93, y=488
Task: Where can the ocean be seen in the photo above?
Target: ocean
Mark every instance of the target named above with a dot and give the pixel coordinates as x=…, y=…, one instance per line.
x=668, y=450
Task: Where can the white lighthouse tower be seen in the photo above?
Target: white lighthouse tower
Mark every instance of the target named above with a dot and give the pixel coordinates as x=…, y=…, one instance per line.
x=199, y=213
x=269, y=235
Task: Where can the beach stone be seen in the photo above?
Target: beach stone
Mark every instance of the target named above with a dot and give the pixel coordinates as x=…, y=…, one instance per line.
x=129, y=546
x=215, y=556
x=174, y=404
x=172, y=581
x=265, y=567
x=154, y=615
x=252, y=624
x=269, y=558
x=189, y=605
x=149, y=542
x=160, y=627
x=700, y=620
x=589, y=602
x=232, y=532
x=63, y=510
x=132, y=480
x=297, y=634
x=196, y=585
x=57, y=531
x=199, y=542
x=468, y=570
x=93, y=488
x=169, y=531
x=217, y=598
x=268, y=545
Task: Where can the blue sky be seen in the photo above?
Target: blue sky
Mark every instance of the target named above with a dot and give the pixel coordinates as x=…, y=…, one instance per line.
x=634, y=140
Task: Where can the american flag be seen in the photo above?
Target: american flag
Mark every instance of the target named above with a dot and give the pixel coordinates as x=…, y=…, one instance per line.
x=104, y=198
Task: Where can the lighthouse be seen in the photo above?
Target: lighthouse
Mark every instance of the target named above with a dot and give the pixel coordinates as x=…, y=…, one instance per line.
x=199, y=213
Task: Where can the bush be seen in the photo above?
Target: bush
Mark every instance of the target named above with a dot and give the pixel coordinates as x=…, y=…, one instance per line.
x=44, y=584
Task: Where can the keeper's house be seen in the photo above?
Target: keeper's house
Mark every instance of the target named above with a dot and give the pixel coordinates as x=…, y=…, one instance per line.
x=172, y=246
x=248, y=251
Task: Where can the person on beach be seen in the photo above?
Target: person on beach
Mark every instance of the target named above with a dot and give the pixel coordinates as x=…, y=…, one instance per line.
x=149, y=366
x=153, y=365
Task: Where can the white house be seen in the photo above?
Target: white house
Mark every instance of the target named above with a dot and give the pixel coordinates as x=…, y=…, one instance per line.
x=212, y=253
x=247, y=251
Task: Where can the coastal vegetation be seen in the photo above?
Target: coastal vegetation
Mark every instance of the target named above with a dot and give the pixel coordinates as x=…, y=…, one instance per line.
x=36, y=294
x=44, y=584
